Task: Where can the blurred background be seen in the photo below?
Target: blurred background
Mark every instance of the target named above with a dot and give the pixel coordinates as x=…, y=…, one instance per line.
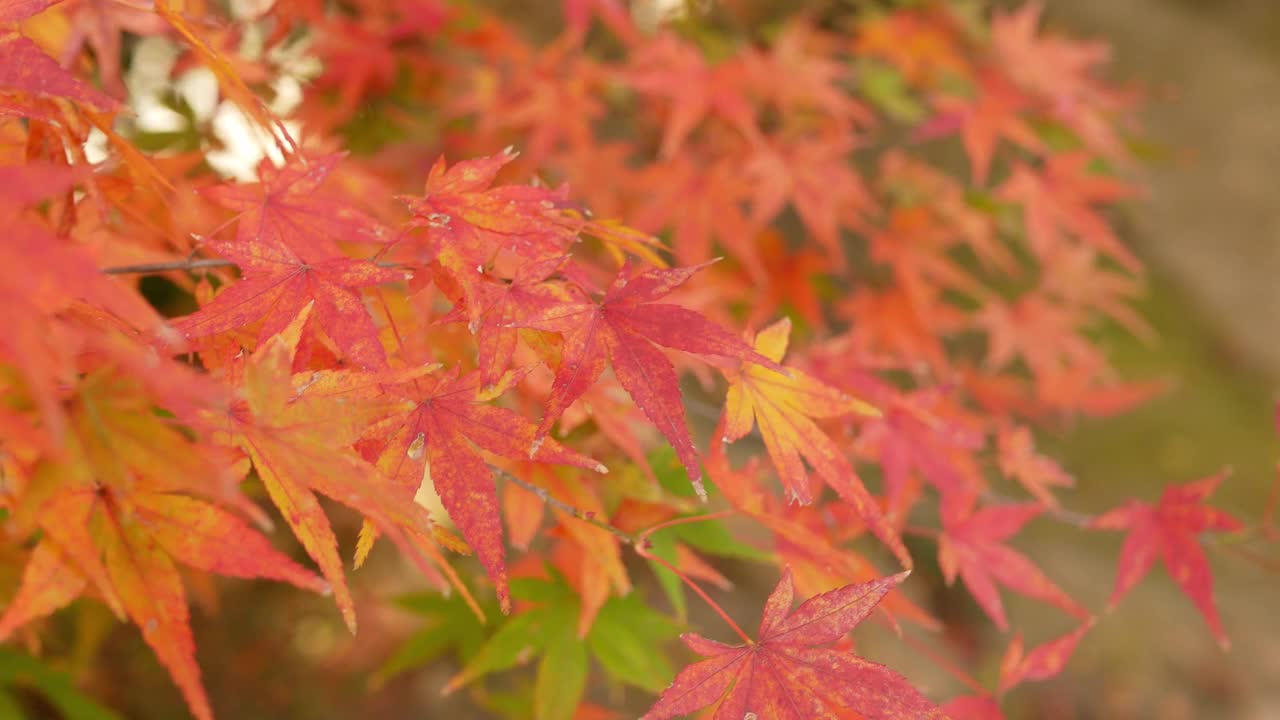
x=1209, y=231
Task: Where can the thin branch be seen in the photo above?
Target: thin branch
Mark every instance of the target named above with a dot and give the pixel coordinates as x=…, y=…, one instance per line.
x=546, y=497
x=1070, y=517
x=639, y=543
x=190, y=264
x=942, y=662
x=162, y=267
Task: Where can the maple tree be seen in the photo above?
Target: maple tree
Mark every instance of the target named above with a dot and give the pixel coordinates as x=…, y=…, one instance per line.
x=695, y=223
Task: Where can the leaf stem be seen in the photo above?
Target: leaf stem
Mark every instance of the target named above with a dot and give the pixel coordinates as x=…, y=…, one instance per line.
x=942, y=662
x=643, y=551
x=640, y=543
x=720, y=515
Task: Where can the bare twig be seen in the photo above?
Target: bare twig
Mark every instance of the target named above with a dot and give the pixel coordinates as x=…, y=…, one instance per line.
x=190, y=264
x=172, y=266
x=588, y=517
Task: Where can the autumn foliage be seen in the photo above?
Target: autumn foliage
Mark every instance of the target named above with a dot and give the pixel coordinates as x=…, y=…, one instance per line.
x=791, y=291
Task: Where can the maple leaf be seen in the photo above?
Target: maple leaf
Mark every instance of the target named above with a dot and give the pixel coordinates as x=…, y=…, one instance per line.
x=666, y=67
x=916, y=246
x=1171, y=528
x=970, y=546
x=102, y=26
x=588, y=555
x=784, y=406
x=292, y=206
x=27, y=73
x=468, y=222
x=994, y=113
x=141, y=535
x=11, y=11
x=788, y=674
x=895, y=322
x=277, y=282
x=437, y=440
x=625, y=642
x=701, y=203
x=1064, y=196
x=1043, y=662
x=815, y=177
x=1060, y=70
x=798, y=72
x=1018, y=459
x=790, y=282
x=297, y=432
x=622, y=329
x=801, y=534
x=549, y=97
x=496, y=308
x=921, y=435
x=923, y=45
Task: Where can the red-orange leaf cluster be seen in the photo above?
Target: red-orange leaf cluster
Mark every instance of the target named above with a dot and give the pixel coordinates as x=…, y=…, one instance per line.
x=776, y=250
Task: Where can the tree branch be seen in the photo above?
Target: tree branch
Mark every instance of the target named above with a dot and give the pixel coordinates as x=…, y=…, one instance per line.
x=588, y=517
x=162, y=267
x=190, y=264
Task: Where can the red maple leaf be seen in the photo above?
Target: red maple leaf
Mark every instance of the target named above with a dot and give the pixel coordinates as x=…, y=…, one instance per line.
x=277, y=282
x=496, y=307
x=1172, y=528
x=11, y=11
x=971, y=547
x=1042, y=662
x=622, y=329
x=446, y=424
x=468, y=222
x=788, y=674
x=292, y=206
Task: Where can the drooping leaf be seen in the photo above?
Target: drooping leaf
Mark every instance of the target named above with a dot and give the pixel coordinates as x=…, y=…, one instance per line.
x=1043, y=662
x=299, y=438
x=971, y=547
x=454, y=422
x=1171, y=528
x=783, y=406
x=622, y=329
x=151, y=591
